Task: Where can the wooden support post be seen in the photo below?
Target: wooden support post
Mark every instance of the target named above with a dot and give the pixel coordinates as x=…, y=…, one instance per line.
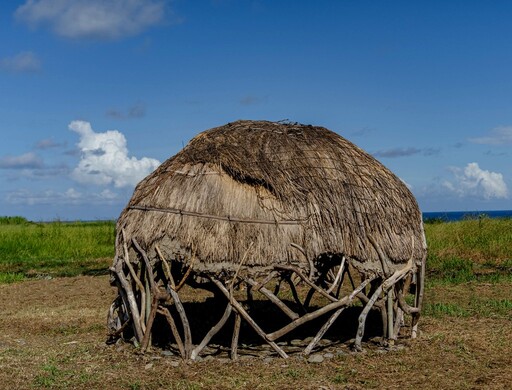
x=402, y=304
x=184, y=321
x=385, y=286
x=362, y=318
x=213, y=331
x=384, y=261
x=248, y=318
x=294, y=293
x=149, y=324
x=131, y=301
x=308, y=298
x=420, y=285
x=340, y=285
x=267, y=279
x=172, y=289
x=398, y=322
x=350, y=277
x=148, y=298
x=236, y=334
x=390, y=322
x=317, y=313
x=146, y=262
x=275, y=300
x=323, y=330
x=312, y=269
x=338, y=276
x=306, y=280
x=137, y=282
x=383, y=316
x=125, y=304
x=167, y=314
x=166, y=267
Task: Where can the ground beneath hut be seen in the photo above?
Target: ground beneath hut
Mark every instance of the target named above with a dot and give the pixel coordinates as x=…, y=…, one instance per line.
x=52, y=335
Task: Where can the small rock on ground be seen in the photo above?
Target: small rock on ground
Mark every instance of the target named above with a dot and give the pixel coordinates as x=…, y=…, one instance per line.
x=316, y=358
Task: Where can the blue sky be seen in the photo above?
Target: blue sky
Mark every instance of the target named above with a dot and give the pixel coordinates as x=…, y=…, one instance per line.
x=94, y=94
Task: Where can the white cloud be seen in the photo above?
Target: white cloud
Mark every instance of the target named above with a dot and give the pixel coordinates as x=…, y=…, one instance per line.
x=105, y=160
x=24, y=161
x=69, y=197
x=24, y=62
x=501, y=135
x=476, y=182
x=93, y=19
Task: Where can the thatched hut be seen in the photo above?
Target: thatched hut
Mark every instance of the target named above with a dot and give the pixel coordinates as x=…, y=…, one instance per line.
x=256, y=203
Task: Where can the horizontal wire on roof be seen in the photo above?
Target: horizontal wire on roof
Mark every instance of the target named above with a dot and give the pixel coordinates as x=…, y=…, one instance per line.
x=218, y=217
x=324, y=192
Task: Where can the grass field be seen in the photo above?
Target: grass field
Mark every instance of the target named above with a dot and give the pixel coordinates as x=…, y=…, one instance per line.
x=52, y=329
x=30, y=249
x=474, y=249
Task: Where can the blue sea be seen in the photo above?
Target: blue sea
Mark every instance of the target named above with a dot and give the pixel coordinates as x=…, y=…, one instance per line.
x=450, y=216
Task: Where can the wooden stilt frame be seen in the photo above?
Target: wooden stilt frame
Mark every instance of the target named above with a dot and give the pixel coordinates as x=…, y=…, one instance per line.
x=147, y=289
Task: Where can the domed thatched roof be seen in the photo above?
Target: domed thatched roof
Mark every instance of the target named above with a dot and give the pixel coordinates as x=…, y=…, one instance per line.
x=256, y=191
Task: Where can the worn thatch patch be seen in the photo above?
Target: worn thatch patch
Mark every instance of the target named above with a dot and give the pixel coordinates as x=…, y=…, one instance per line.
x=250, y=189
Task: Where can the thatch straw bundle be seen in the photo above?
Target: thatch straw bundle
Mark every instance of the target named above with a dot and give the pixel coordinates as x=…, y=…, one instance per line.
x=266, y=193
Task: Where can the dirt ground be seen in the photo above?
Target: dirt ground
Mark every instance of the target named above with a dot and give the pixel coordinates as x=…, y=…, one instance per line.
x=53, y=332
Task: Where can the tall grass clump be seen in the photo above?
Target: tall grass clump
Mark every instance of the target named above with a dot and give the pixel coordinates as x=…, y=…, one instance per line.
x=59, y=248
x=14, y=221
x=463, y=250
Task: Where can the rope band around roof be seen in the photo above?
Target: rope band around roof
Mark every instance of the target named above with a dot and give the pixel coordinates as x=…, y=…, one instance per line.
x=218, y=217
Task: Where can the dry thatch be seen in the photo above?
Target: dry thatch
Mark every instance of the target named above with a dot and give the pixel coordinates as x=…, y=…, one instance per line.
x=269, y=193
x=252, y=205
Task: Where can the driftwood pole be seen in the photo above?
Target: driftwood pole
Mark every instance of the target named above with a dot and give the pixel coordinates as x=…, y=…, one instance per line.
x=147, y=289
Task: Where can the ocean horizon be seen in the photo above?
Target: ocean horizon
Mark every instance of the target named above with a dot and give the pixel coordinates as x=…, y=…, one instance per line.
x=447, y=216
x=451, y=216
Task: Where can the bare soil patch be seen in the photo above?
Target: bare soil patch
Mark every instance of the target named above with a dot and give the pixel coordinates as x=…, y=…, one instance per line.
x=53, y=332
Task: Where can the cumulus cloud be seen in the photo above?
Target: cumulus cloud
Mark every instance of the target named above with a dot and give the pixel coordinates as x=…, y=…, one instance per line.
x=28, y=160
x=405, y=152
x=104, y=158
x=93, y=19
x=24, y=62
x=52, y=197
x=476, y=182
x=501, y=135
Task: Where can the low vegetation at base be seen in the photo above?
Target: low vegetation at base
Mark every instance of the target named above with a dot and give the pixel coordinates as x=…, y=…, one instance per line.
x=474, y=249
x=29, y=249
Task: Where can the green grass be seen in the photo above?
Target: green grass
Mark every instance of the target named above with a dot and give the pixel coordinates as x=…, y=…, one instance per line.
x=14, y=221
x=473, y=249
x=486, y=308
x=11, y=277
x=56, y=248
x=458, y=252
